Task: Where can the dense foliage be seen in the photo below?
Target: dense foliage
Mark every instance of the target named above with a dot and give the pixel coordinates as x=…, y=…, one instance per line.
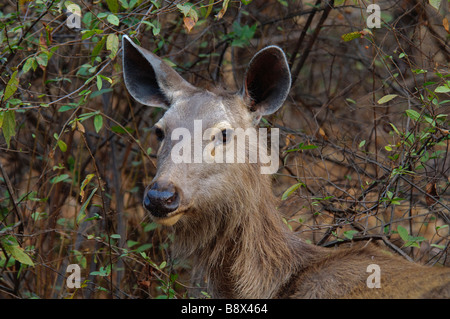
x=365, y=131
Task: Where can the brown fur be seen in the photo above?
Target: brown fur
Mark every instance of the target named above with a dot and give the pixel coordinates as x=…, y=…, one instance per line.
x=226, y=221
x=244, y=250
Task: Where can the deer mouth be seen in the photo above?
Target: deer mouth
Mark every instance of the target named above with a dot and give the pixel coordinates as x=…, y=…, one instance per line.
x=168, y=220
x=171, y=218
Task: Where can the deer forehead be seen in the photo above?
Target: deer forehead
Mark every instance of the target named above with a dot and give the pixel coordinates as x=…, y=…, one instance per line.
x=211, y=109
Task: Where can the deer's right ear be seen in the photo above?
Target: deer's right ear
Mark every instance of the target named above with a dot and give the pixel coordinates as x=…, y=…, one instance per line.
x=148, y=78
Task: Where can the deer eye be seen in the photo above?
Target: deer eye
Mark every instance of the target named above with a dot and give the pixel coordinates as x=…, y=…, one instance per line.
x=159, y=133
x=227, y=134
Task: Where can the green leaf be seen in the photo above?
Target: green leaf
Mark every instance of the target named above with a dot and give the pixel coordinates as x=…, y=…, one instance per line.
x=441, y=247
x=95, y=217
x=186, y=8
x=302, y=147
x=403, y=233
x=387, y=98
x=59, y=178
x=414, y=115
x=85, y=116
x=362, y=143
x=442, y=89
x=350, y=233
x=11, y=87
x=15, y=102
x=419, y=71
x=351, y=36
x=131, y=243
x=143, y=247
x=395, y=129
x=441, y=227
x=112, y=44
x=97, y=49
x=124, y=4
x=97, y=93
x=210, y=7
x=290, y=190
x=86, y=181
x=412, y=244
x=8, y=125
x=435, y=3
x=89, y=33
x=397, y=200
x=113, y=19
x=120, y=130
x=242, y=34
x=11, y=246
x=103, y=271
x=28, y=65
x=82, y=215
x=156, y=27
x=169, y=63
x=307, y=147
x=42, y=59
x=61, y=144
x=99, y=82
x=106, y=78
x=98, y=122
x=113, y=5
x=132, y=4
x=65, y=108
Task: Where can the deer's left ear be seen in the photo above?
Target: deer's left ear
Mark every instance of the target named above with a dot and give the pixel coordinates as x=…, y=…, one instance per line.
x=267, y=81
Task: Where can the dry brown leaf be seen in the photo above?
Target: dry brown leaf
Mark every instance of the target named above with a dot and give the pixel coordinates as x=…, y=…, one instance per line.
x=80, y=127
x=431, y=190
x=289, y=137
x=189, y=23
x=322, y=134
x=223, y=10
x=446, y=26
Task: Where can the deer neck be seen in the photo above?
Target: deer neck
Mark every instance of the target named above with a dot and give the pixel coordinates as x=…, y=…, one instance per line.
x=259, y=258
x=249, y=252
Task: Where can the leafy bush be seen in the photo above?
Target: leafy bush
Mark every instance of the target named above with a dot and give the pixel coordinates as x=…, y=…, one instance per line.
x=365, y=132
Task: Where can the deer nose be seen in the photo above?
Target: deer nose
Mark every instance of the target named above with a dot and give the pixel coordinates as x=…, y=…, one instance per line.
x=161, y=199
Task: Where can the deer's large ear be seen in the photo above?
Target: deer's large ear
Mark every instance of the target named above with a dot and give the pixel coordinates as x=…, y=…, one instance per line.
x=267, y=81
x=148, y=78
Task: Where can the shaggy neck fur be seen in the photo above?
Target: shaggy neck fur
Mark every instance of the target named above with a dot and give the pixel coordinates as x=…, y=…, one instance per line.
x=238, y=242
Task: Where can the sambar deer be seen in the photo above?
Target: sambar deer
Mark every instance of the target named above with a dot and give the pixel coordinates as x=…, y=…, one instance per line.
x=224, y=216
